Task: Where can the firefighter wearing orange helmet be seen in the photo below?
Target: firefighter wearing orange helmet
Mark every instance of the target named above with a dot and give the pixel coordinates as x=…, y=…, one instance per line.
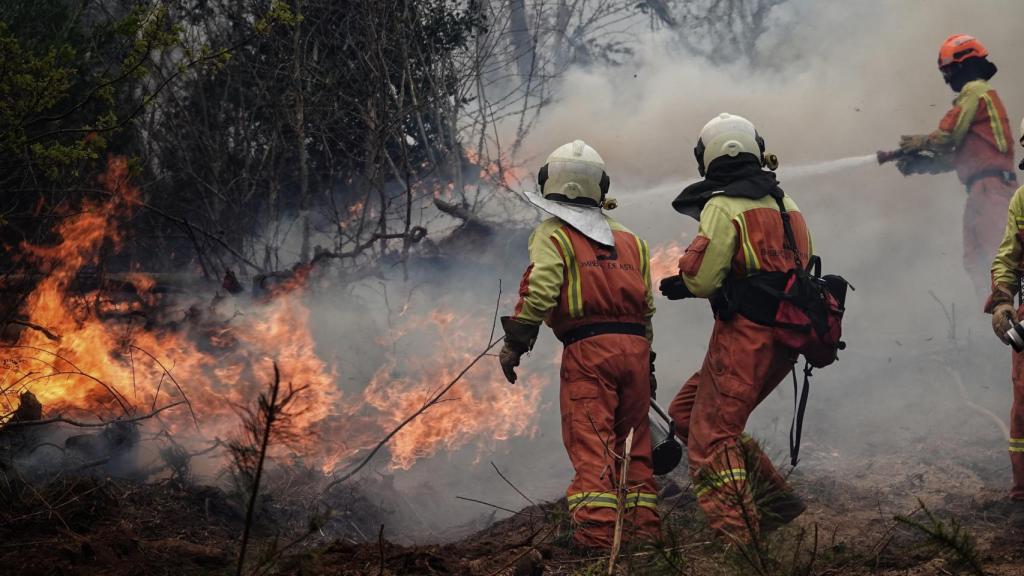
x=589, y=280
x=974, y=139
x=1007, y=269
x=741, y=235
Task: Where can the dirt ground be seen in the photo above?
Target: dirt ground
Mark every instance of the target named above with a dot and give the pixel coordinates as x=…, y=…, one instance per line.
x=106, y=527
x=936, y=444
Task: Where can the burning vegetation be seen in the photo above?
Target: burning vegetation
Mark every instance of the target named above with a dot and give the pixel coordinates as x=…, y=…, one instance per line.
x=254, y=259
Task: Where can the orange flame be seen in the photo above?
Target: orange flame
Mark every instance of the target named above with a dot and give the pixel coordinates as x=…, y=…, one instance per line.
x=665, y=260
x=110, y=365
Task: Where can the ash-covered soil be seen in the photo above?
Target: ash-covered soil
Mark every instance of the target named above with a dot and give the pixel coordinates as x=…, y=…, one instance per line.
x=106, y=527
x=931, y=450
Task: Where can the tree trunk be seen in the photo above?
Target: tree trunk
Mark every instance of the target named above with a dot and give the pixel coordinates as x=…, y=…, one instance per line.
x=300, y=132
x=522, y=41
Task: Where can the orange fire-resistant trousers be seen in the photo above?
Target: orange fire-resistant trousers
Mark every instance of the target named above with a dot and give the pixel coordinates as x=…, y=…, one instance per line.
x=742, y=366
x=605, y=391
x=984, y=223
x=1017, y=425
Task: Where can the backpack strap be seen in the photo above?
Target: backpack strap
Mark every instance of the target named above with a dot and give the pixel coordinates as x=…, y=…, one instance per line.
x=799, y=407
x=787, y=228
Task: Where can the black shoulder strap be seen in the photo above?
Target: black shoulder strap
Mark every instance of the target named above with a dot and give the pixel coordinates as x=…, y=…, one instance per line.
x=787, y=228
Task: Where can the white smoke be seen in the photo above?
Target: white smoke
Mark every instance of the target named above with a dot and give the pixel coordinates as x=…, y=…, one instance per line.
x=840, y=80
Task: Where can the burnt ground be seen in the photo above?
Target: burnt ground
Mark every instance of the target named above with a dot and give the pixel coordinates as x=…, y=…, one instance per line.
x=107, y=527
x=934, y=444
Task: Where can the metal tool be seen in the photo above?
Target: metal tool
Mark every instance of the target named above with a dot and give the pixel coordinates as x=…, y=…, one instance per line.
x=1015, y=336
x=666, y=451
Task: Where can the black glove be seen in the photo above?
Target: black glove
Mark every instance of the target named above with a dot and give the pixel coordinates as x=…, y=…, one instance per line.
x=654, y=379
x=674, y=288
x=922, y=164
x=509, y=359
x=519, y=339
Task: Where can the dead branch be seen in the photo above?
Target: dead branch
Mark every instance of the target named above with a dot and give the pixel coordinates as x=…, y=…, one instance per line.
x=509, y=482
x=962, y=390
x=432, y=402
x=460, y=212
x=623, y=497
x=46, y=331
x=496, y=507
x=270, y=408
x=414, y=235
x=176, y=385
x=121, y=400
x=79, y=424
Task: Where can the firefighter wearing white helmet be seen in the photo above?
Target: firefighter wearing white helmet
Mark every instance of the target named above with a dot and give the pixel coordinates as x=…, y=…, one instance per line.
x=574, y=187
x=589, y=280
x=740, y=237
x=1006, y=273
x=728, y=135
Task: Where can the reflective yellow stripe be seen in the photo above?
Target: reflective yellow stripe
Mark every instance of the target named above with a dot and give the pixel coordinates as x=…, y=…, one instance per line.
x=997, y=125
x=642, y=499
x=575, y=296
x=1016, y=444
x=715, y=481
x=749, y=256
x=645, y=261
x=593, y=500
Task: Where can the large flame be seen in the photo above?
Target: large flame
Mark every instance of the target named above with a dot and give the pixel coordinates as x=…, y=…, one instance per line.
x=96, y=357
x=665, y=260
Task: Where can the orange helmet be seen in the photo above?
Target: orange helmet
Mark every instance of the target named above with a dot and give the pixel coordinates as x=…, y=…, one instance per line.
x=960, y=47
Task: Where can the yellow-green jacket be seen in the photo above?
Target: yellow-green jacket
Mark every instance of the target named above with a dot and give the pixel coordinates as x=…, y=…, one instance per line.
x=740, y=236
x=1007, y=264
x=572, y=280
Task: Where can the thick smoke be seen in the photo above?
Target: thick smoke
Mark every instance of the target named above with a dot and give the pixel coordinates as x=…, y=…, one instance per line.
x=834, y=80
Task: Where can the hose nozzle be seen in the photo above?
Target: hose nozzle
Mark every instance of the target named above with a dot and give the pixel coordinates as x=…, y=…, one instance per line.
x=1015, y=337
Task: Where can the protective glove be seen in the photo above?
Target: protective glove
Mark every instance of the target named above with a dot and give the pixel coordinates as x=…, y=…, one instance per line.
x=921, y=164
x=907, y=165
x=654, y=379
x=913, y=142
x=509, y=359
x=519, y=339
x=674, y=288
x=1002, y=320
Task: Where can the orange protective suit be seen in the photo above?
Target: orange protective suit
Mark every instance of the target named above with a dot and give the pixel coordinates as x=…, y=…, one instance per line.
x=1007, y=267
x=598, y=302
x=737, y=237
x=975, y=136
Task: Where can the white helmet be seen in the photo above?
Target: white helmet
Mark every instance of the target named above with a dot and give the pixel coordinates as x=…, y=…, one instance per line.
x=574, y=174
x=573, y=186
x=727, y=135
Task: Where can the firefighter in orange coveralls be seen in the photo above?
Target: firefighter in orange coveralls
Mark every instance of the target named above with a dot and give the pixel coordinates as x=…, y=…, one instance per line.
x=589, y=280
x=1007, y=268
x=973, y=138
x=740, y=235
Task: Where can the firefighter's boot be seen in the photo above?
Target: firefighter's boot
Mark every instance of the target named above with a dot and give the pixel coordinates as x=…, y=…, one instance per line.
x=780, y=509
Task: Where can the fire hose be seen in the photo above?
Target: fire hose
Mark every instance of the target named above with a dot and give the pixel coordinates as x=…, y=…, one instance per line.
x=912, y=162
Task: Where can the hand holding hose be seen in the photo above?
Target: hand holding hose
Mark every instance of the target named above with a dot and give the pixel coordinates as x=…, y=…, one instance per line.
x=1002, y=320
x=913, y=143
